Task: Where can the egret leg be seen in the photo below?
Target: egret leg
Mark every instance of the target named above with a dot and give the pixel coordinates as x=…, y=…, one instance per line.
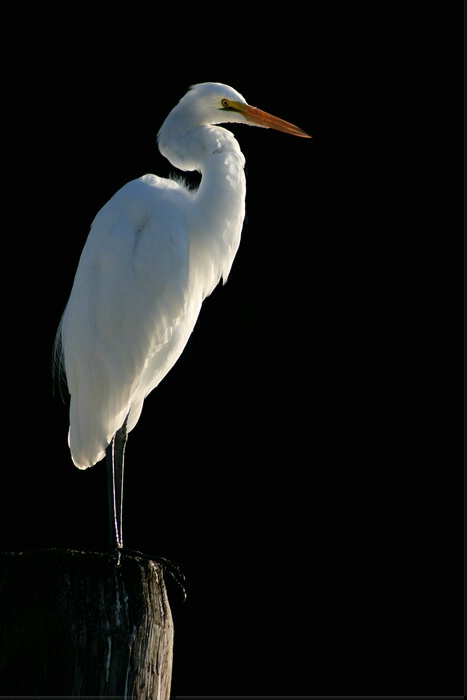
x=115, y=454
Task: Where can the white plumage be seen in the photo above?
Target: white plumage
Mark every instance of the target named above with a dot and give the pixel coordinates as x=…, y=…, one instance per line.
x=154, y=252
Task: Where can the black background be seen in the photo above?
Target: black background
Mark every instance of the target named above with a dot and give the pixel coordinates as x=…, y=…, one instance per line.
x=297, y=463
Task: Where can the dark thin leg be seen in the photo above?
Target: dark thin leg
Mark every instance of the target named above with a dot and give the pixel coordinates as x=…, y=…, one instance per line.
x=115, y=454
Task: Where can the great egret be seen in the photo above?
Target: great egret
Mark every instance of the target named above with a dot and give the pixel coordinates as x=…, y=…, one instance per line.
x=155, y=251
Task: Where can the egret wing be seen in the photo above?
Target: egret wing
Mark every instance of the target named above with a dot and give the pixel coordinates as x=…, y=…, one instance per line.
x=129, y=296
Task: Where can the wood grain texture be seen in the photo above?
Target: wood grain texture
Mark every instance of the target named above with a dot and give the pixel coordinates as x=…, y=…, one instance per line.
x=80, y=623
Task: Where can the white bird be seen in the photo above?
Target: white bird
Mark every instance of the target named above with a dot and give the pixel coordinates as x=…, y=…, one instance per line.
x=155, y=251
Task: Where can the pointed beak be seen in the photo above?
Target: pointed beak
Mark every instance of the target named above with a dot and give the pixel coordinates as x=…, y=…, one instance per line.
x=259, y=118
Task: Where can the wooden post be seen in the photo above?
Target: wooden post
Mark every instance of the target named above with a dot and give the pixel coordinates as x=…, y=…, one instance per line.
x=81, y=623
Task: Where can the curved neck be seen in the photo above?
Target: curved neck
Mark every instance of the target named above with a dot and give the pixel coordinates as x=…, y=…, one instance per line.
x=218, y=206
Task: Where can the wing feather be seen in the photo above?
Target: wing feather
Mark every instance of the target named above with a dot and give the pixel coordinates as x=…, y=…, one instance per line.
x=130, y=295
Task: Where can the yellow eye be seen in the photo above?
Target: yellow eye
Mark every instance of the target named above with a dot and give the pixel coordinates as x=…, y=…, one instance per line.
x=225, y=103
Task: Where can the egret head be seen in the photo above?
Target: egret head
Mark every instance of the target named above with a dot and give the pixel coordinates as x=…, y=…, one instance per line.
x=206, y=104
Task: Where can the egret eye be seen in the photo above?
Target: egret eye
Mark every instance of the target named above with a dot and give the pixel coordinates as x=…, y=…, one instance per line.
x=225, y=103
